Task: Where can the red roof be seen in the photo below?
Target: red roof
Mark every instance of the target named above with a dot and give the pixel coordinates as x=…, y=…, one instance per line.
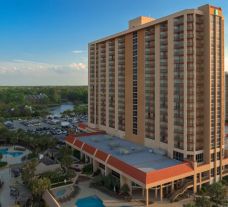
x=82, y=125
x=143, y=177
x=101, y=155
x=91, y=150
x=127, y=169
x=78, y=143
x=168, y=172
x=70, y=138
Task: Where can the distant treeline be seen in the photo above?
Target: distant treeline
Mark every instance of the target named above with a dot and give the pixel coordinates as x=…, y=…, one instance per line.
x=33, y=101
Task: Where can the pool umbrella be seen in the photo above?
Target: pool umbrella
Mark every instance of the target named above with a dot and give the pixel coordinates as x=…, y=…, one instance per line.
x=91, y=201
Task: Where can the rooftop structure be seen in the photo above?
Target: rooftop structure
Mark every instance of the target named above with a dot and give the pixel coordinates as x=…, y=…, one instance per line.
x=145, y=165
x=143, y=158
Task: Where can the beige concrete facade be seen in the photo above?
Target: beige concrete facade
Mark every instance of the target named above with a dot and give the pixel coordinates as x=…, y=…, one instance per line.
x=172, y=81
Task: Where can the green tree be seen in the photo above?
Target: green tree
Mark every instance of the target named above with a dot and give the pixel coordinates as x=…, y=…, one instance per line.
x=125, y=189
x=28, y=172
x=203, y=201
x=217, y=192
x=67, y=159
x=39, y=186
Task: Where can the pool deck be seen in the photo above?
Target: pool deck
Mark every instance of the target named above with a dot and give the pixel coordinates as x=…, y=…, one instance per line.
x=13, y=160
x=5, y=176
x=110, y=201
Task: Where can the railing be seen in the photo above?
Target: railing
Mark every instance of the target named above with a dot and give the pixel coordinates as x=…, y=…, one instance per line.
x=180, y=191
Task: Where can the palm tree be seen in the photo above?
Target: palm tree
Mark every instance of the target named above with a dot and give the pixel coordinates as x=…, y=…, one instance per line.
x=28, y=172
x=66, y=160
x=39, y=186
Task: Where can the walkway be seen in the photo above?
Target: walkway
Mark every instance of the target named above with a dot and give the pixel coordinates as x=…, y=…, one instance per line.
x=5, y=175
x=5, y=198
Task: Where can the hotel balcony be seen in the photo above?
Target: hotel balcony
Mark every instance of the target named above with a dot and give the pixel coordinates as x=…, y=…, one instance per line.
x=190, y=19
x=179, y=30
x=150, y=44
x=163, y=35
x=163, y=28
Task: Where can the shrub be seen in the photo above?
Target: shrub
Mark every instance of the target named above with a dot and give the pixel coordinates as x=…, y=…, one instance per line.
x=109, y=182
x=58, y=176
x=97, y=172
x=125, y=189
x=225, y=180
x=61, y=184
x=98, y=180
x=31, y=155
x=76, y=154
x=88, y=169
x=3, y=164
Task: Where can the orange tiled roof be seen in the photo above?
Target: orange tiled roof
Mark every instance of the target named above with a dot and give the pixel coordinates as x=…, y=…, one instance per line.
x=143, y=177
x=168, y=172
x=101, y=155
x=70, y=138
x=89, y=149
x=78, y=143
x=128, y=169
x=82, y=125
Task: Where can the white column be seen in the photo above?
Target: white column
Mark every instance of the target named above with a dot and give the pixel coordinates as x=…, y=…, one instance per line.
x=147, y=198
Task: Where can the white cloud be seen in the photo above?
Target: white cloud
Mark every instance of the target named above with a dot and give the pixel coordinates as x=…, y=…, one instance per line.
x=78, y=66
x=26, y=66
x=26, y=72
x=77, y=51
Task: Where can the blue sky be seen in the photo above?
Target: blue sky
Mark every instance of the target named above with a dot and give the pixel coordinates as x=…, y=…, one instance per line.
x=44, y=42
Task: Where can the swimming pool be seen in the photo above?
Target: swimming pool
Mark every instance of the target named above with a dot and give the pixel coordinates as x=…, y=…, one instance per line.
x=60, y=193
x=5, y=151
x=91, y=201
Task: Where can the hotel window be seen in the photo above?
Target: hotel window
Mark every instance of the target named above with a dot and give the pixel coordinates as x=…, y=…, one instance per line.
x=218, y=170
x=212, y=172
x=218, y=155
x=199, y=157
x=212, y=157
x=178, y=156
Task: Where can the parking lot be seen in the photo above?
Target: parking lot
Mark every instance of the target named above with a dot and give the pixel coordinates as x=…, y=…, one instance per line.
x=57, y=126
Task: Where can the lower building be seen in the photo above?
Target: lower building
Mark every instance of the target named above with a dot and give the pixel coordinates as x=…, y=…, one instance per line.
x=148, y=170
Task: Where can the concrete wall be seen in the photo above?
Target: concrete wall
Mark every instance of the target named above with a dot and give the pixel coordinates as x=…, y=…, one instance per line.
x=50, y=200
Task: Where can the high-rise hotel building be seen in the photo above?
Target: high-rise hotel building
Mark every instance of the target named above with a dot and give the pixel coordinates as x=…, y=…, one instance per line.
x=156, y=102
x=160, y=83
